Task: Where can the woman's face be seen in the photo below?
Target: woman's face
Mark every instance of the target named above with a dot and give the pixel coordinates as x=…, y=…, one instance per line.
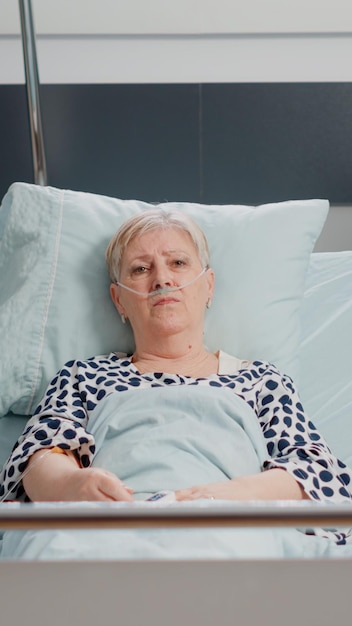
x=163, y=257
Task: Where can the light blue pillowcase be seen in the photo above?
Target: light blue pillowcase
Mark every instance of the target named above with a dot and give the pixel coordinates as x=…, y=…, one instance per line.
x=326, y=349
x=54, y=289
x=11, y=426
x=4, y=213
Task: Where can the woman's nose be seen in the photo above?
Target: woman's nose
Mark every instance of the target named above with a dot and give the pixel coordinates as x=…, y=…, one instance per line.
x=162, y=276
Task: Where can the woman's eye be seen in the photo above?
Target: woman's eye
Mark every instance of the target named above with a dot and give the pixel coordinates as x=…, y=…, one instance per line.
x=180, y=263
x=140, y=270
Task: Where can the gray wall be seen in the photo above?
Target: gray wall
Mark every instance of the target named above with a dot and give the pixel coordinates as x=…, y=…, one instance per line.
x=195, y=44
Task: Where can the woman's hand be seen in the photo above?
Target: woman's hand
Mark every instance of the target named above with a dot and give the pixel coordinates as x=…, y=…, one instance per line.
x=58, y=477
x=228, y=490
x=92, y=484
x=273, y=484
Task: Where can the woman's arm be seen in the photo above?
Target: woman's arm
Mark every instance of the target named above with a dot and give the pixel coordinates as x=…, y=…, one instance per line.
x=61, y=419
x=300, y=465
x=294, y=443
x=58, y=477
x=274, y=484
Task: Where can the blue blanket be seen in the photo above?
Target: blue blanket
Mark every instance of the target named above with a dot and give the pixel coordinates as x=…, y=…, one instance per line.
x=172, y=438
x=176, y=437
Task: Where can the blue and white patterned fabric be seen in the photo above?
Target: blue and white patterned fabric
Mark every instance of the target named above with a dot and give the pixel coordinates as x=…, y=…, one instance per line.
x=65, y=418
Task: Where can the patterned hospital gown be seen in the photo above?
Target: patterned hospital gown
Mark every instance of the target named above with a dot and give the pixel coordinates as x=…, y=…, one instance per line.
x=292, y=441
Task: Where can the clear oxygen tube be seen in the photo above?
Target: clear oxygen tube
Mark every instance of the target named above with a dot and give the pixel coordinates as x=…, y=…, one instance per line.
x=162, y=290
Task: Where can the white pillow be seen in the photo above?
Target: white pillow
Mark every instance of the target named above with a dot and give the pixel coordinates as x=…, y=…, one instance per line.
x=54, y=289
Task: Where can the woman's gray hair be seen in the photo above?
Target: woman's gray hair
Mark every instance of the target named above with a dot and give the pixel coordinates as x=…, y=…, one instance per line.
x=151, y=220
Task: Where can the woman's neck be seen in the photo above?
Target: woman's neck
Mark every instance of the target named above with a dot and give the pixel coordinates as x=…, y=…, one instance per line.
x=195, y=362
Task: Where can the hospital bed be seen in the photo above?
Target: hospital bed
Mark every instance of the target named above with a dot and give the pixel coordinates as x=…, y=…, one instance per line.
x=302, y=321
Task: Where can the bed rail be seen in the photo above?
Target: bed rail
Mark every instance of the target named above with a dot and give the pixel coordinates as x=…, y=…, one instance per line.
x=180, y=515
x=32, y=83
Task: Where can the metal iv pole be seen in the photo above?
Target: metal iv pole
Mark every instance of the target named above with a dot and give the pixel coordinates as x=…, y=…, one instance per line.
x=32, y=83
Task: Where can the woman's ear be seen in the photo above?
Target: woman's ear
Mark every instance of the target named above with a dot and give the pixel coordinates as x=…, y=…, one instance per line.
x=211, y=281
x=114, y=293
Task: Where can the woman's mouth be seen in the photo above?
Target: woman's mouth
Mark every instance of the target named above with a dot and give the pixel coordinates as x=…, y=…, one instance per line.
x=165, y=300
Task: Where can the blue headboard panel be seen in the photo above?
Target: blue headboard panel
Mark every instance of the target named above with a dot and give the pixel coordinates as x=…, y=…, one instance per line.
x=226, y=143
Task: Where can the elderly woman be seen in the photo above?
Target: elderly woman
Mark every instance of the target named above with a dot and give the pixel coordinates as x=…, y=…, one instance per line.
x=162, y=284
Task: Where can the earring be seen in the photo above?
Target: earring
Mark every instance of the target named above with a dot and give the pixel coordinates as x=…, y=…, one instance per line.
x=123, y=319
x=208, y=305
